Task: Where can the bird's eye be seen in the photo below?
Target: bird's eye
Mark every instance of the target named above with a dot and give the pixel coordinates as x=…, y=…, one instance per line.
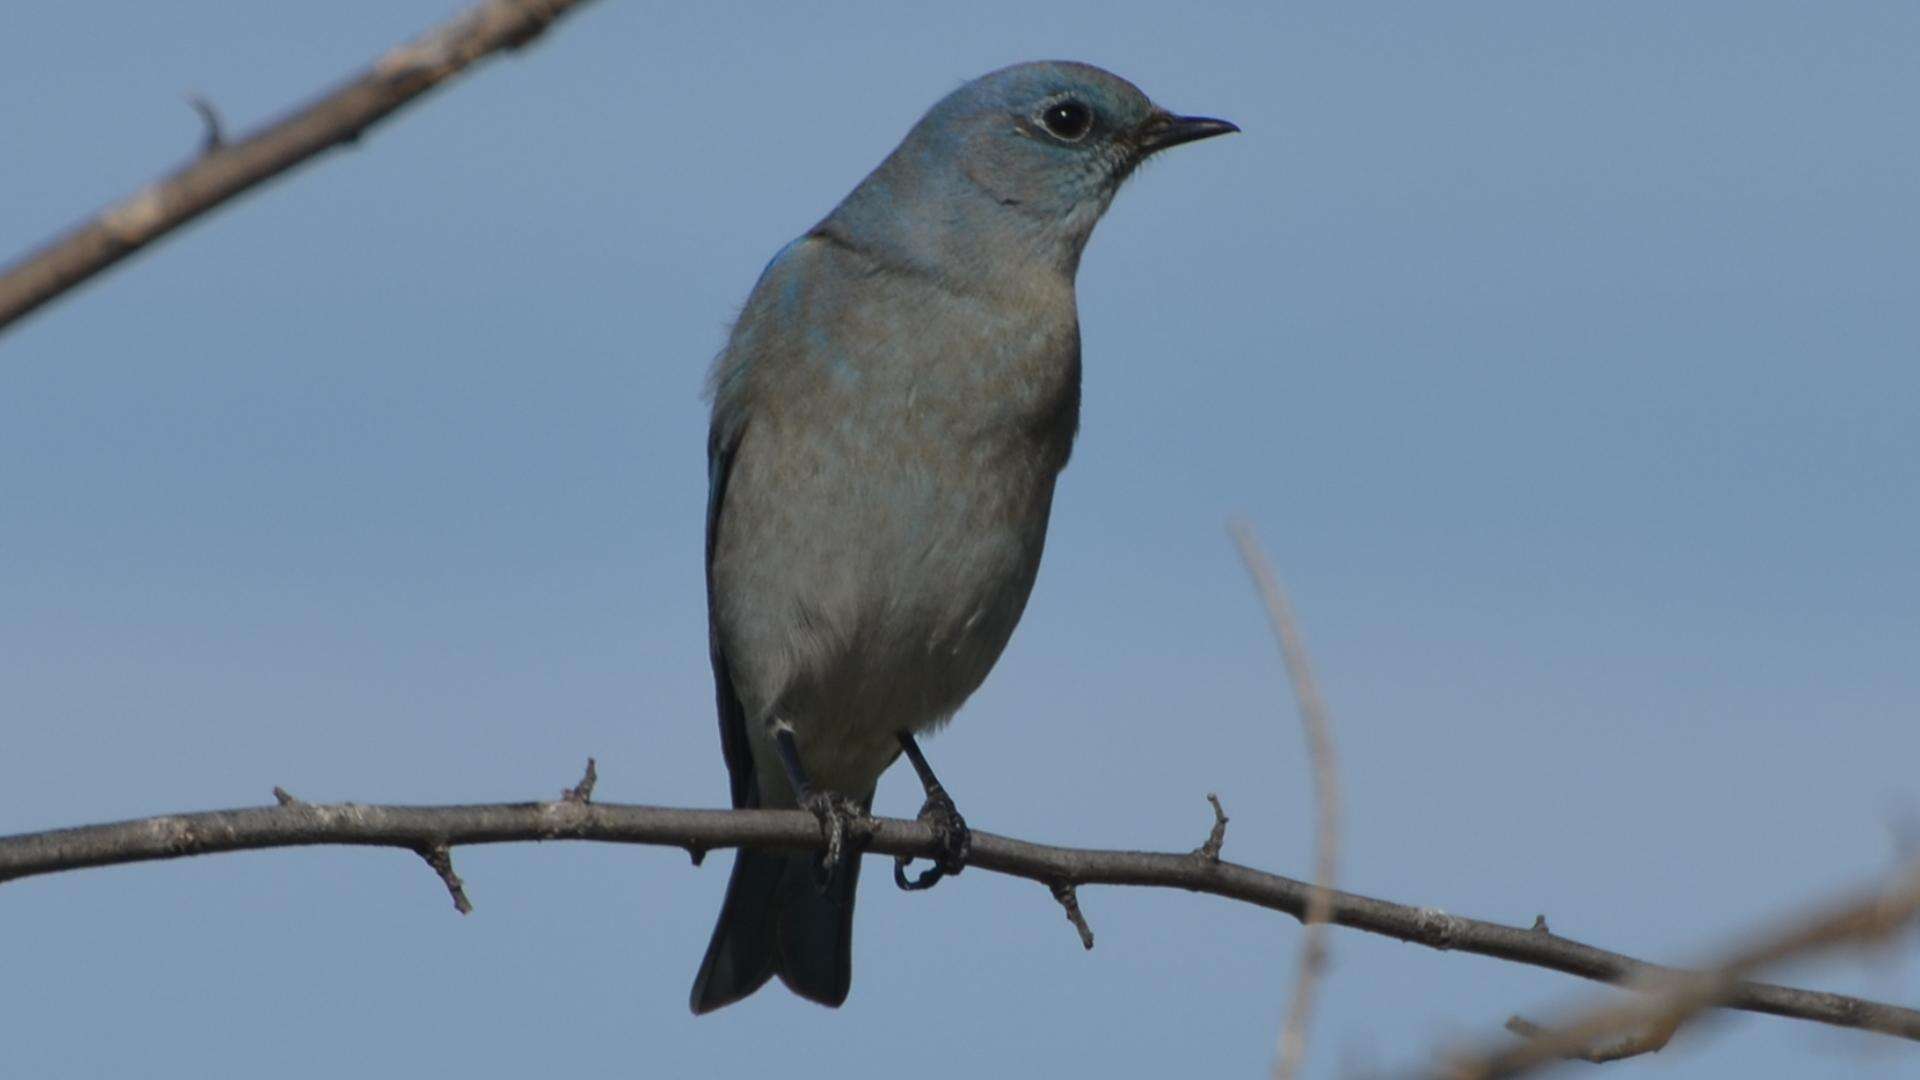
x=1067, y=120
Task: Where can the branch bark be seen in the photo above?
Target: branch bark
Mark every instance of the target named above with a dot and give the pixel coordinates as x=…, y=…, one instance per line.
x=416, y=828
x=226, y=169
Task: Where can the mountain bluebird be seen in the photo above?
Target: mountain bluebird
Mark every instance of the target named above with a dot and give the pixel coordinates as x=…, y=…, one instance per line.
x=889, y=415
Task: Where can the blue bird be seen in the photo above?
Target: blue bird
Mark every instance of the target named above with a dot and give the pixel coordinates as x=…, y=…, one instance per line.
x=889, y=415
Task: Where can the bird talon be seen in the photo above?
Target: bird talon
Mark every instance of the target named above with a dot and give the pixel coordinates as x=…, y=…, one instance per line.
x=928, y=878
x=950, y=833
x=837, y=816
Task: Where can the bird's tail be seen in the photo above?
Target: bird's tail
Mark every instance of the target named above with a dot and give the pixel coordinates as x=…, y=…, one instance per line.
x=777, y=921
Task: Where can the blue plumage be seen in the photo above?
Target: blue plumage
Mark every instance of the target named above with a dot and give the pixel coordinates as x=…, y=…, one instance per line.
x=889, y=415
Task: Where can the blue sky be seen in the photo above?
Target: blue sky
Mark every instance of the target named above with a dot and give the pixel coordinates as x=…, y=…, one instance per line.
x=1563, y=355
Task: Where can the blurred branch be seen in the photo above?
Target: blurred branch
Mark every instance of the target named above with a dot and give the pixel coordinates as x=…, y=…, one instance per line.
x=225, y=169
x=1326, y=786
x=1646, y=1023
x=1600, y=1051
x=294, y=823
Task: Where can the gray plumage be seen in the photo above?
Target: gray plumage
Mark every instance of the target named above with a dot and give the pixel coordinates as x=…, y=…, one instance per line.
x=889, y=415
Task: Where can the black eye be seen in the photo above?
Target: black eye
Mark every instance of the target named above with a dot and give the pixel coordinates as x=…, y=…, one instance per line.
x=1068, y=120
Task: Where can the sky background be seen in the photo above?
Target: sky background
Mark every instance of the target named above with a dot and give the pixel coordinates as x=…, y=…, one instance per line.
x=1564, y=356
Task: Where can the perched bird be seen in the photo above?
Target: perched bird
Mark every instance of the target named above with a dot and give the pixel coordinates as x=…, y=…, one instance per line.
x=889, y=414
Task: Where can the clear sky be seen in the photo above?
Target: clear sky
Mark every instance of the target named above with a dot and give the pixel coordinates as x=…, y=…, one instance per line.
x=1563, y=354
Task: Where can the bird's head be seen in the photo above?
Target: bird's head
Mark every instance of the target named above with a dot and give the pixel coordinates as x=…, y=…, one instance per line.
x=1036, y=149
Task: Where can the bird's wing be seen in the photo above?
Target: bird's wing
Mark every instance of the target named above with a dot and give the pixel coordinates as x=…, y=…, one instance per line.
x=722, y=443
x=731, y=416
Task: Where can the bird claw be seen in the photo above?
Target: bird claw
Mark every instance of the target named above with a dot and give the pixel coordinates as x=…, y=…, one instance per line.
x=950, y=832
x=837, y=815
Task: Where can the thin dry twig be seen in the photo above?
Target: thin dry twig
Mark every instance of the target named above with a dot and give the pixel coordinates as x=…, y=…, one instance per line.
x=1216, y=836
x=1326, y=785
x=225, y=169
x=412, y=827
x=1647, y=1023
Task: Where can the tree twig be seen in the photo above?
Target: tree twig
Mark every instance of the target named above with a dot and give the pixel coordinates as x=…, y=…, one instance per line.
x=1318, y=729
x=225, y=169
x=1216, y=836
x=412, y=827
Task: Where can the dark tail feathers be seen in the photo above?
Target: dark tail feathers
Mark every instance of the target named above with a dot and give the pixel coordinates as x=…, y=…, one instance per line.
x=776, y=921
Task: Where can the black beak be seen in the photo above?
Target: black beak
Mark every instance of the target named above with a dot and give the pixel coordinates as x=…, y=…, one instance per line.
x=1163, y=130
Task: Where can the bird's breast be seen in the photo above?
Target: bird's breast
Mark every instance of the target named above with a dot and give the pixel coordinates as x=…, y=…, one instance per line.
x=887, y=505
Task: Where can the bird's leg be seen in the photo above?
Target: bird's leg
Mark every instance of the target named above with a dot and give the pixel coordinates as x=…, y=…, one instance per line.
x=949, y=828
x=836, y=812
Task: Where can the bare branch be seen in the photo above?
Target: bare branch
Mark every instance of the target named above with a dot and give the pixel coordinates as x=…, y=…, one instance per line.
x=225, y=169
x=1326, y=786
x=1646, y=1023
x=413, y=827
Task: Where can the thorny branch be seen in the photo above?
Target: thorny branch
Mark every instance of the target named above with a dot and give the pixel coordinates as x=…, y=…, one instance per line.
x=224, y=169
x=296, y=824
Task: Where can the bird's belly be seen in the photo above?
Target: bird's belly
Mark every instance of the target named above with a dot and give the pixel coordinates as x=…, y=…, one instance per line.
x=887, y=594
x=923, y=621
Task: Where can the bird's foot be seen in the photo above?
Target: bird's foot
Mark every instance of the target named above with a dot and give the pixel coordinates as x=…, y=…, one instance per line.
x=949, y=831
x=838, y=816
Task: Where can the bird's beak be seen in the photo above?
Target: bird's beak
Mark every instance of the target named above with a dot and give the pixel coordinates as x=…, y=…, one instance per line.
x=1163, y=129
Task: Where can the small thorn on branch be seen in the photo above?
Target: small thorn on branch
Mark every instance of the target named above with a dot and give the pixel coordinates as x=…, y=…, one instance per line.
x=697, y=854
x=582, y=792
x=216, y=136
x=440, y=857
x=1070, y=900
x=285, y=798
x=1217, y=838
x=1539, y=927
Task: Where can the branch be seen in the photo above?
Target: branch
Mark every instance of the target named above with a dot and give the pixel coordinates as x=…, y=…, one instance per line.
x=225, y=169
x=413, y=828
x=1632, y=1044
x=1326, y=786
x=1645, y=1024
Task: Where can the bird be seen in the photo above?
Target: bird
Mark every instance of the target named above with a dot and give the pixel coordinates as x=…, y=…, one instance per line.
x=889, y=414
